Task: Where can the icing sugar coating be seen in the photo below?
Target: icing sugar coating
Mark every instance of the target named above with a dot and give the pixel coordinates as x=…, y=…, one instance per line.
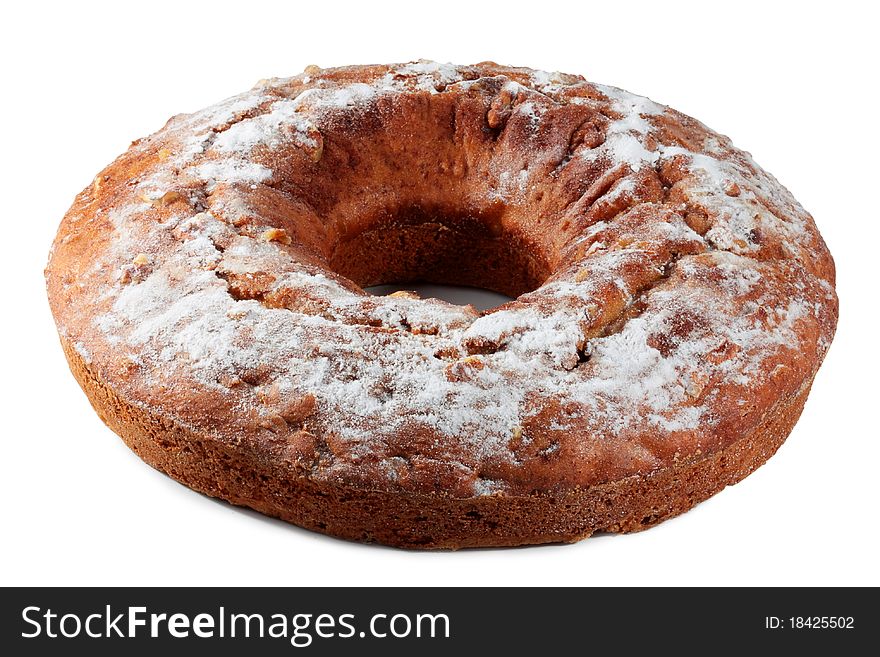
x=686, y=289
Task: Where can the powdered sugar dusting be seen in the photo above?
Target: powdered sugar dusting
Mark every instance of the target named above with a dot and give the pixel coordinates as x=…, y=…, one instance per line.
x=266, y=128
x=428, y=75
x=231, y=171
x=710, y=310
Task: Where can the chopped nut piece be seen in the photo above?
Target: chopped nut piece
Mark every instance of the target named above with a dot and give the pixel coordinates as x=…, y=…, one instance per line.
x=136, y=271
x=516, y=439
x=99, y=183
x=595, y=246
x=592, y=310
x=276, y=235
x=166, y=199
x=696, y=385
x=464, y=369
x=731, y=188
x=317, y=152
x=169, y=197
x=404, y=294
x=500, y=109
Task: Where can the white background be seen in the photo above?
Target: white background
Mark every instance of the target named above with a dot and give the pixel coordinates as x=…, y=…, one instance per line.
x=796, y=86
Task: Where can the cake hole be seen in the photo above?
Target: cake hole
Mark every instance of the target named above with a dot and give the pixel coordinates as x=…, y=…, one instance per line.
x=461, y=295
x=446, y=248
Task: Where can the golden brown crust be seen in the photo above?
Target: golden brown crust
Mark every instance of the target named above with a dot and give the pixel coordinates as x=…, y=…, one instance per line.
x=674, y=302
x=431, y=521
